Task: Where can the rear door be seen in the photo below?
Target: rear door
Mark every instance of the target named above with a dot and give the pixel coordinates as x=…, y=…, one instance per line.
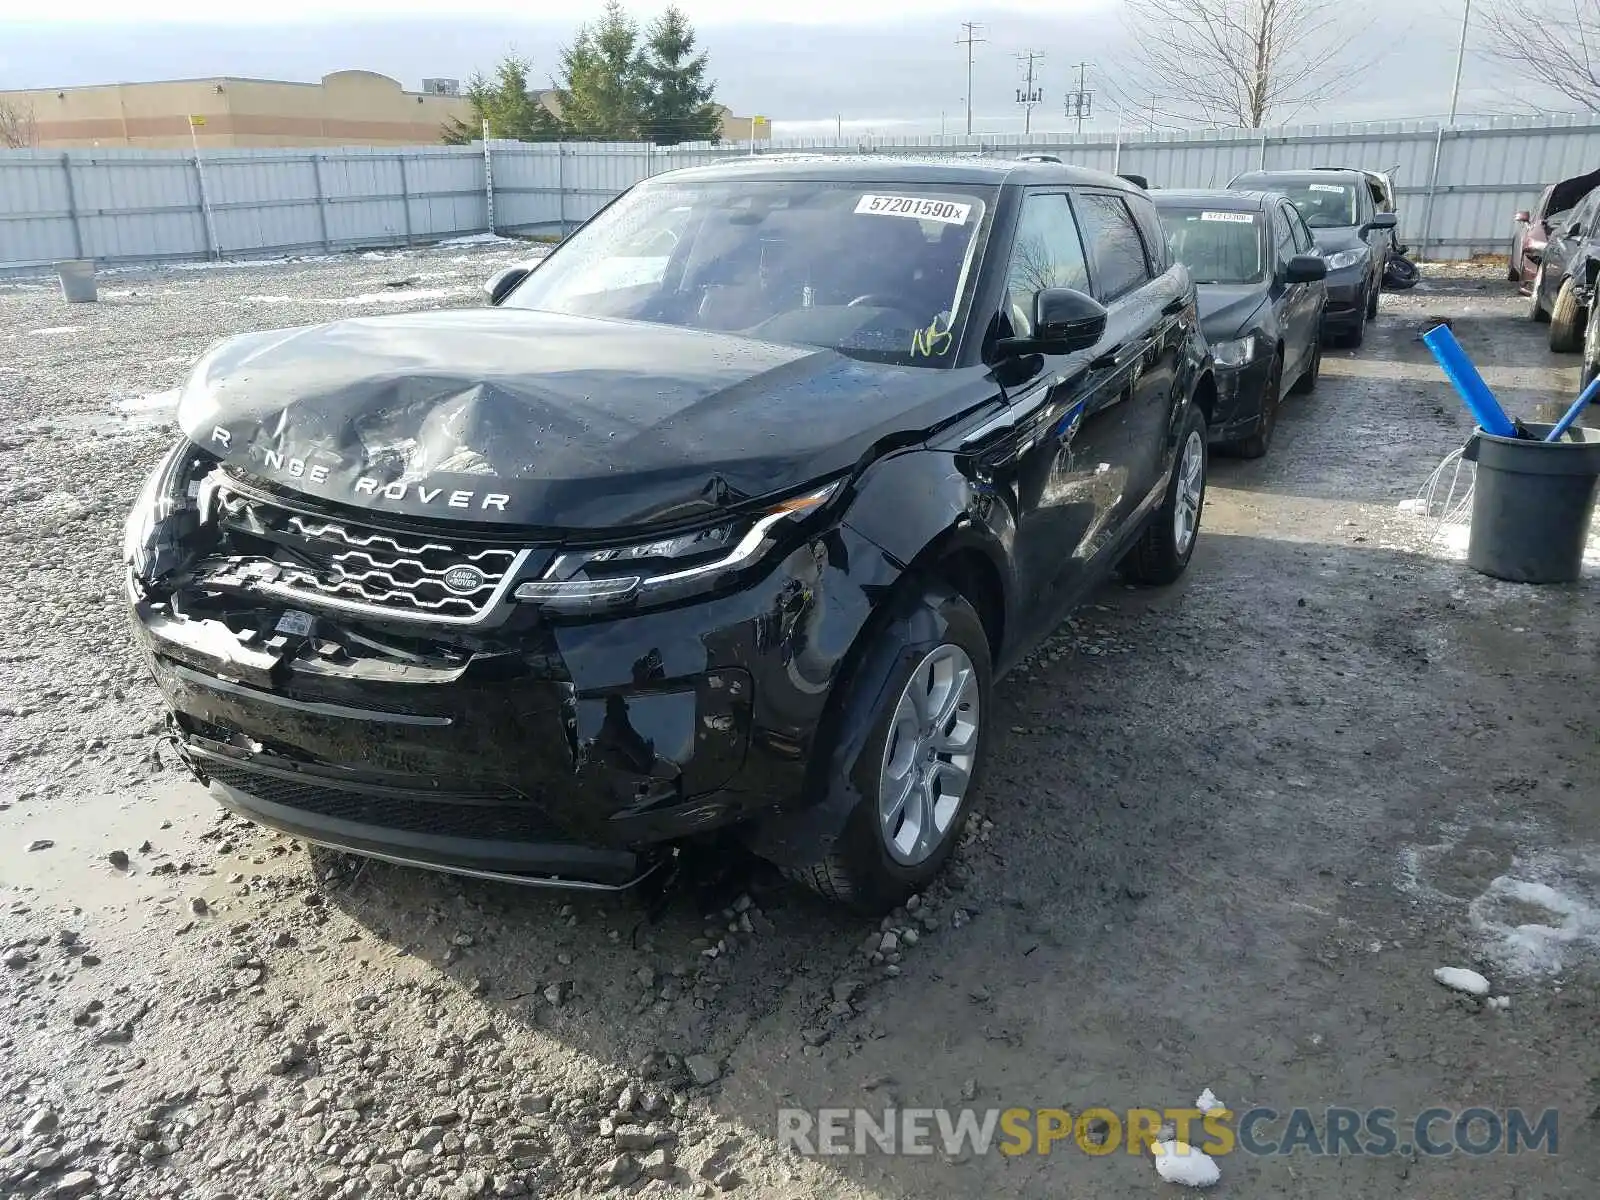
x=1145, y=292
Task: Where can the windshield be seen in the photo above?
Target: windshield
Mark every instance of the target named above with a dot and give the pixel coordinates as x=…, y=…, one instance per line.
x=1217, y=247
x=1322, y=205
x=877, y=272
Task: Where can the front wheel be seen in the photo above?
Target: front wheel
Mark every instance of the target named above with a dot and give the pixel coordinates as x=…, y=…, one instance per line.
x=1591, y=348
x=908, y=749
x=1163, y=551
x=1567, y=319
x=1372, y=299
x=1308, y=378
x=1536, y=312
x=1259, y=442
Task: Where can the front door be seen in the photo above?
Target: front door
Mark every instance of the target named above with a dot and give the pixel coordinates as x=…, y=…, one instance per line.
x=1060, y=456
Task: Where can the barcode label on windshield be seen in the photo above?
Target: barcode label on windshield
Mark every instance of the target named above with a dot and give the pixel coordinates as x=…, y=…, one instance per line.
x=947, y=212
x=1236, y=218
x=1326, y=187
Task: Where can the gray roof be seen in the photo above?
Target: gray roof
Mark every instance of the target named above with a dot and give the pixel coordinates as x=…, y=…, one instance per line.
x=889, y=169
x=1225, y=200
x=1310, y=175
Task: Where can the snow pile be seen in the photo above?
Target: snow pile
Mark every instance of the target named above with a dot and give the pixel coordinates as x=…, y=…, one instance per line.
x=390, y=296
x=1462, y=980
x=1178, y=1162
x=478, y=239
x=53, y=330
x=1531, y=926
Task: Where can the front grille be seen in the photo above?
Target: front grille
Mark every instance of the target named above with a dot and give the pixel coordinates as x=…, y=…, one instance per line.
x=407, y=575
x=489, y=818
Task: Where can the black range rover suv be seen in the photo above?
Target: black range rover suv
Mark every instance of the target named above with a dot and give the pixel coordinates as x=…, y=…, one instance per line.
x=726, y=514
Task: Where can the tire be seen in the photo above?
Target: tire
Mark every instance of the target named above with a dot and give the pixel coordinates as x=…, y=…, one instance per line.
x=1259, y=442
x=1356, y=335
x=930, y=636
x=1160, y=555
x=1536, y=312
x=1591, y=348
x=1307, y=383
x=1566, y=320
x=1372, y=300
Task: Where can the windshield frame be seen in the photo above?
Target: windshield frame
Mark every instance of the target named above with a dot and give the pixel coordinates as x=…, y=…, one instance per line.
x=1258, y=221
x=986, y=196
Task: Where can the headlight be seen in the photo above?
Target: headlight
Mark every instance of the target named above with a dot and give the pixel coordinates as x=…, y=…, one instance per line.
x=1235, y=353
x=1345, y=258
x=590, y=580
x=151, y=537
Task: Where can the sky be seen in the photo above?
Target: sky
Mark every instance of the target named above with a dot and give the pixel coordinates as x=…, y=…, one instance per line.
x=885, y=68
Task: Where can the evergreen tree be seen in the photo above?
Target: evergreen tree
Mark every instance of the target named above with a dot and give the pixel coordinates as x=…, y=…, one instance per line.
x=510, y=106
x=677, y=103
x=602, y=93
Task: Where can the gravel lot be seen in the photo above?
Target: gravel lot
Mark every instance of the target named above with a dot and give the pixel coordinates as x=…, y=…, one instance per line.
x=1231, y=830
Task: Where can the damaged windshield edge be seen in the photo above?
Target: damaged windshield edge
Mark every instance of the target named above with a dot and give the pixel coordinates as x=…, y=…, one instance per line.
x=1217, y=247
x=1322, y=205
x=876, y=271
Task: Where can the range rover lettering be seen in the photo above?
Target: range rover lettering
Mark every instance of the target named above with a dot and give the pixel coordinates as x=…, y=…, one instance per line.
x=720, y=521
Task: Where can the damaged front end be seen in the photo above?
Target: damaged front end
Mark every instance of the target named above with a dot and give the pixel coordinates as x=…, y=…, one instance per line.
x=475, y=698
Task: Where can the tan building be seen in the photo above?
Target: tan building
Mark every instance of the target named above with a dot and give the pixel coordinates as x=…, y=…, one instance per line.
x=347, y=108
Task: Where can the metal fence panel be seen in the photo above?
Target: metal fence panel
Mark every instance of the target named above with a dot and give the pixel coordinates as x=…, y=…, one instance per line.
x=1457, y=188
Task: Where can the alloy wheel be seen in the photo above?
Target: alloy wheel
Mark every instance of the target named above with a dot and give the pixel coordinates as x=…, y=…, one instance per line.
x=1191, y=486
x=929, y=756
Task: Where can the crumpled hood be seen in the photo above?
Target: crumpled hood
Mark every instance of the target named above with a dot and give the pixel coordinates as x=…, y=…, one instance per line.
x=1340, y=237
x=1566, y=194
x=517, y=417
x=1225, y=307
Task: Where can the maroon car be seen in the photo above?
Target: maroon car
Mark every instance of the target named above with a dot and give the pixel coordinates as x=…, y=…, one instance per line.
x=1533, y=228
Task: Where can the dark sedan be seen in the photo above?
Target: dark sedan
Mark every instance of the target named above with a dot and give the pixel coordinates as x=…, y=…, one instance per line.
x=721, y=520
x=1352, y=234
x=1260, y=281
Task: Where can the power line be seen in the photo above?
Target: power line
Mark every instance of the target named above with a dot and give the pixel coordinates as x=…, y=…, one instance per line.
x=1027, y=94
x=970, y=39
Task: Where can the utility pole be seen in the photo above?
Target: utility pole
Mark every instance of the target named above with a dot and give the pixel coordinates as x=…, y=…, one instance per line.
x=1461, y=53
x=1027, y=94
x=1081, y=102
x=970, y=38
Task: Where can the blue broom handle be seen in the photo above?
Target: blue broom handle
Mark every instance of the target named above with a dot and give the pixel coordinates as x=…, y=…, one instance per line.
x=1578, y=405
x=1468, y=383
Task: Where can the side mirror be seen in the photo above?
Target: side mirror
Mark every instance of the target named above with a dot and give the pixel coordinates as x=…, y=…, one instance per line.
x=504, y=281
x=1523, y=216
x=1306, y=268
x=1065, y=321
x=1380, y=221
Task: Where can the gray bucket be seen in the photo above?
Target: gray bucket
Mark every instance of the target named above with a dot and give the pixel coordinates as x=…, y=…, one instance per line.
x=1532, y=504
x=77, y=281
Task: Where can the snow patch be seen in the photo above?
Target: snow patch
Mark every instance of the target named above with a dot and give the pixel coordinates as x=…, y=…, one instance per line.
x=1530, y=927
x=388, y=296
x=154, y=402
x=53, y=330
x=1208, y=1101
x=478, y=239
x=1179, y=1162
x=1462, y=980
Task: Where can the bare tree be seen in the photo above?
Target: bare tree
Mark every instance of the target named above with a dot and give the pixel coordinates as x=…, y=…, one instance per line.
x=1239, y=63
x=18, y=130
x=1550, y=43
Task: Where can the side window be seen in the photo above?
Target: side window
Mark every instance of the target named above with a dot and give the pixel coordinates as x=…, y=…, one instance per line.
x=1282, y=234
x=1119, y=259
x=1155, y=237
x=1303, y=241
x=1047, y=253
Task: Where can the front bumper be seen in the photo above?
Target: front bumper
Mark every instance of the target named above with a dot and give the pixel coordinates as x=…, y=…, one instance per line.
x=1241, y=394
x=1347, y=300
x=539, y=751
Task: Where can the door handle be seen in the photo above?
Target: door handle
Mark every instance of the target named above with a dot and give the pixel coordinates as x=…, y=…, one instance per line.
x=1108, y=359
x=1173, y=307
